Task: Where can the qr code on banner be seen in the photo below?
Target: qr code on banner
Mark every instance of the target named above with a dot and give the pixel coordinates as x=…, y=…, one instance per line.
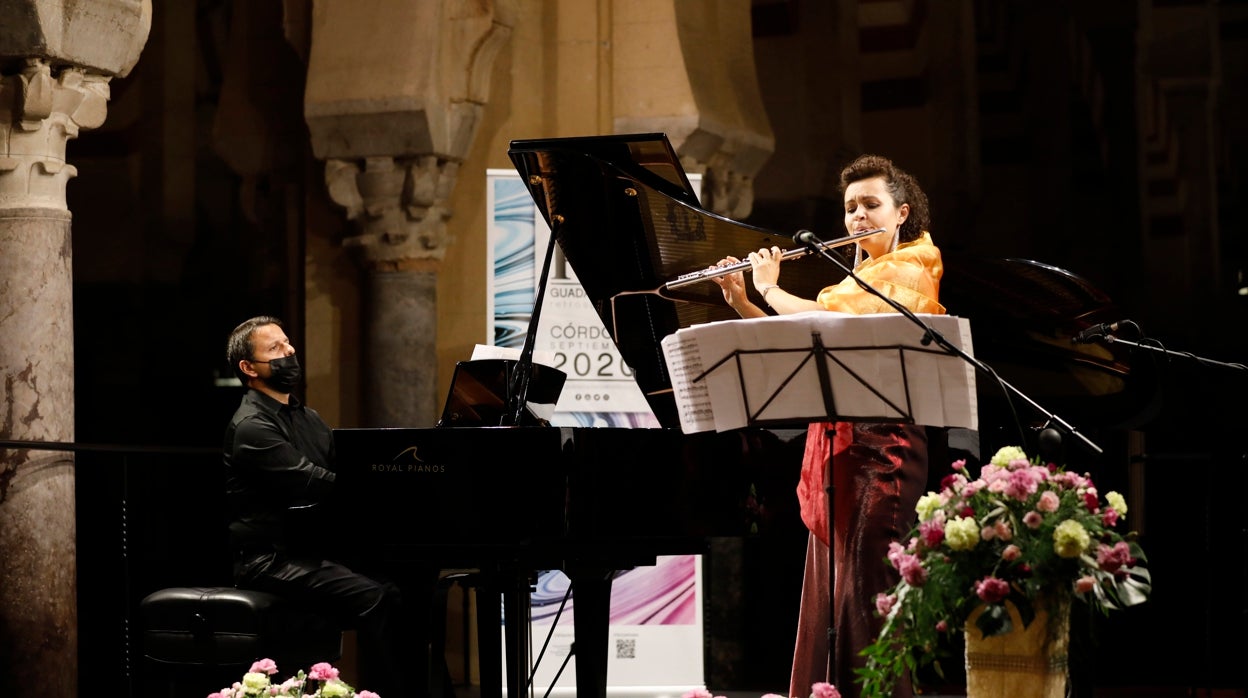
x=625, y=648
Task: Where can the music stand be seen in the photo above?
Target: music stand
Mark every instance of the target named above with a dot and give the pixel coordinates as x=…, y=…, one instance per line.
x=847, y=377
x=813, y=354
x=876, y=368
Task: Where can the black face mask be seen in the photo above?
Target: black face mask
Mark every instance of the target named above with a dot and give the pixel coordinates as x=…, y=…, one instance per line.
x=284, y=374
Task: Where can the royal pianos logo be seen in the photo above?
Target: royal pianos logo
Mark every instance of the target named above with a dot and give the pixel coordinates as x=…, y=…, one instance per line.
x=409, y=461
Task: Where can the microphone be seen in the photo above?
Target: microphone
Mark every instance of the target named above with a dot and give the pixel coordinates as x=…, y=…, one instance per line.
x=1095, y=332
x=807, y=238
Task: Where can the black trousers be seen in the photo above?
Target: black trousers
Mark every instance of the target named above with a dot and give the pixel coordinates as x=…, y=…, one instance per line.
x=391, y=616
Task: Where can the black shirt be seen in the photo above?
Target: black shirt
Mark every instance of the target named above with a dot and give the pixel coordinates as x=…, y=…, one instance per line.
x=279, y=466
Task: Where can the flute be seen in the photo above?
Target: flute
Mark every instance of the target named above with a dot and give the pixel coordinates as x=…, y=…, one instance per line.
x=715, y=272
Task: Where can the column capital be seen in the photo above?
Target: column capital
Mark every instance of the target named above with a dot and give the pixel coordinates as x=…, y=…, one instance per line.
x=399, y=205
x=41, y=108
x=393, y=106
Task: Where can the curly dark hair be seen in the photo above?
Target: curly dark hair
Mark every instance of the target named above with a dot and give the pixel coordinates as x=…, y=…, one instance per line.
x=903, y=187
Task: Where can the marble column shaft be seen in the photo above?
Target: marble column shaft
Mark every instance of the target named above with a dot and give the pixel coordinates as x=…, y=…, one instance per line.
x=38, y=580
x=58, y=58
x=400, y=335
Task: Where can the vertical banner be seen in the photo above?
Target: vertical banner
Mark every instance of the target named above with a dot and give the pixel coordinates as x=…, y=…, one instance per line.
x=655, y=635
x=600, y=390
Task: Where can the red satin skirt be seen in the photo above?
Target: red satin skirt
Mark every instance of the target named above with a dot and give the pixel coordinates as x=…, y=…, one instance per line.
x=879, y=471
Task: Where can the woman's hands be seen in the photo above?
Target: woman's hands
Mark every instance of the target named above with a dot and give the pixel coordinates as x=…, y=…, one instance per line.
x=765, y=268
x=733, y=285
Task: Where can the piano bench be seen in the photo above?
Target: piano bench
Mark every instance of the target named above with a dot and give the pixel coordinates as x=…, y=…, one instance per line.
x=205, y=638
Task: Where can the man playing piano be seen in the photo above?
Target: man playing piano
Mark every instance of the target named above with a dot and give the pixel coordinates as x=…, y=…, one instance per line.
x=279, y=468
x=879, y=469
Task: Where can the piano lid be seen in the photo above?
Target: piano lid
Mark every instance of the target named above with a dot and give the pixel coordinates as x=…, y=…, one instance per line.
x=627, y=221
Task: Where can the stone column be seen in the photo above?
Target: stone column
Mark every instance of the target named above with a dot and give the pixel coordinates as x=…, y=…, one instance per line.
x=686, y=67
x=393, y=105
x=399, y=208
x=56, y=62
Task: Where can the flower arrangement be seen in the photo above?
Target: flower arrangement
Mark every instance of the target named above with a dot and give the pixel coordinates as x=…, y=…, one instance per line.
x=1020, y=532
x=818, y=690
x=321, y=681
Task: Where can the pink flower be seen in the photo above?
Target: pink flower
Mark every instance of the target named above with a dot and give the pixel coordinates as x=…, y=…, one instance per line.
x=697, y=693
x=322, y=671
x=1085, y=584
x=991, y=589
x=908, y=564
x=824, y=690
x=1071, y=481
x=1048, y=502
x=895, y=551
x=1011, y=553
x=884, y=603
x=1023, y=483
x=1032, y=519
x=952, y=482
x=1110, y=517
x=932, y=532
x=942, y=625
x=912, y=571
x=1113, y=559
x=1090, y=501
x=366, y=694
x=264, y=666
x=1003, y=531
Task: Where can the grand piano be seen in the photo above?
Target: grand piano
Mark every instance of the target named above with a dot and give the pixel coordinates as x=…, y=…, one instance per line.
x=512, y=495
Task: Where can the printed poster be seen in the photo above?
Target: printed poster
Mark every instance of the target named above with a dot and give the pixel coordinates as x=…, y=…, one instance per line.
x=655, y=633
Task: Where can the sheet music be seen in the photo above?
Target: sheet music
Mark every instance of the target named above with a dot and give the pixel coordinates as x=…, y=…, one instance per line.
x=731, y=374
x=683, y=354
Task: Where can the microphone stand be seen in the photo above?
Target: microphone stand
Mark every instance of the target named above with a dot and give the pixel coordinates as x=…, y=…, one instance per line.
x=1111, y=339
x=930, y=335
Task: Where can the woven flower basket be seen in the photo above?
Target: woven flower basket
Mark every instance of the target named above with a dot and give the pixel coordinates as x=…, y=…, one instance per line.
x=1027, y=662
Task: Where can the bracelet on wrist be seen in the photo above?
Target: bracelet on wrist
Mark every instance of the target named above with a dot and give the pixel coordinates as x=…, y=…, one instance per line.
x=767, y=289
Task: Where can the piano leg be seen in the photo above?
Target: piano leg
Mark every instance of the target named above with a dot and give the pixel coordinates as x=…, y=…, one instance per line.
x=591, y=587
x=591, y=616
x=516, y=588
